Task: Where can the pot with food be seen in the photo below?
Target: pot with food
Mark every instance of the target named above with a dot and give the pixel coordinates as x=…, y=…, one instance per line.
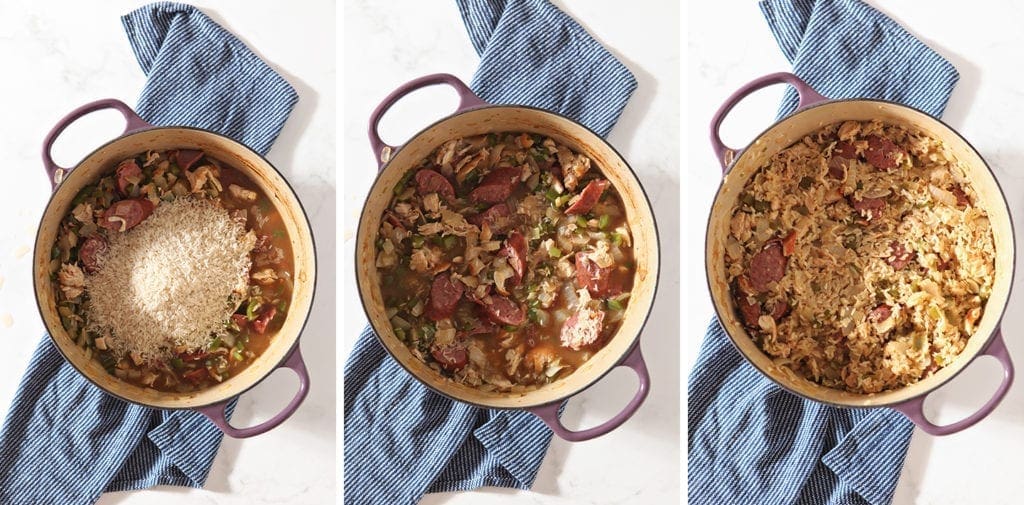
x=860, y=253
x=174, y=268
x=507, y=257
x=514, y=275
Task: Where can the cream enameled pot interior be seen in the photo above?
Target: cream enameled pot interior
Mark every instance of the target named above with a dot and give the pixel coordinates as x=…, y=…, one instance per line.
x=513, y=119
x=259, y=171
x=791, y=130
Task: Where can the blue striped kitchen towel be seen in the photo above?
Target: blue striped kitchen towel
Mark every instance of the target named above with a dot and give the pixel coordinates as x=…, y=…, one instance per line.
x=401, y=439
x=750, y=441
x=65, y=441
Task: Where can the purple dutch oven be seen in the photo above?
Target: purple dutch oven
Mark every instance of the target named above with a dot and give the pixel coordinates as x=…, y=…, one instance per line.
x=813, y=112
x=476, y=117
x=140, y=136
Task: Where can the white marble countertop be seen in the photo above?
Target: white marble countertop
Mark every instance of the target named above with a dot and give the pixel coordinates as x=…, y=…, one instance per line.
x=728, y=45
x=59, y=55
x=639, y=462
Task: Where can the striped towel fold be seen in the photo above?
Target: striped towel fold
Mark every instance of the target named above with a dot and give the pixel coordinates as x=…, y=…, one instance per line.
x=750, y=441
x=65, y=441
x=401, y=439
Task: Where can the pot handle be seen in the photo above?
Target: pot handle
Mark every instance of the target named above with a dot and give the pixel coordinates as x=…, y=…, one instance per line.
x=133, y=122
x=913, y=408
x=467, y=100
x=216, y=411
x=549, y=413
x=726, y=154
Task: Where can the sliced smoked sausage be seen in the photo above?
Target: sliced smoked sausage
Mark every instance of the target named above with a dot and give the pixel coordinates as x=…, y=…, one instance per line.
x=516, y=251
x=882, y=153
x=429, y=181
x=577, y=333
x=496, y=216
x=591, y=276
x=779, y=310
x=124, y=215
x=880, y=313
x=587, y=198
x=507, y=176
x=187, y=157
x=845, y=150
x=127, y=169
x=503, y=310
x=869, y=207
x=452, y=357
x=492, y=193
x=259, y=325
x=899, y=256
x=445, y=294
x=496, y=186
x=749, y=312
x=91, y=250
x=767, y=266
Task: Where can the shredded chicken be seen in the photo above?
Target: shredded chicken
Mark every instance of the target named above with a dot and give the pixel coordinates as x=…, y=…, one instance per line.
x=469, y=164
x=265, y=277
x=83, y=213
x=574, y=169
x=426, y=259
x=242, y=194
x=200, y=177
x=72, y=280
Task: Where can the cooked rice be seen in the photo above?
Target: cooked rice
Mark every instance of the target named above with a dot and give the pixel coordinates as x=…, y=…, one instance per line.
x=856, y=320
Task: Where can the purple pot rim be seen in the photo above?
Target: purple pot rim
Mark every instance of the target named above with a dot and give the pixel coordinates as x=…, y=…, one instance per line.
x=376, y=181
x=53, y=339
x=719, y=311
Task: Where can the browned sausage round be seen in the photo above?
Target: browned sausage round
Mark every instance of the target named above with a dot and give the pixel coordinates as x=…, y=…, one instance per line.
x=591, y=276
x=429, y=181
x=491, y=193
x=506, y=176
x=516, y=251
x=502, y=310
x=899, y=257
x=767, y=266
x=126, y=214
x=187, y=157
x=493, y=216
x=845, y=149
x=880, y=313
x=882, y=153
x=750, y=312
x=90, y=251
x=260, y=324
x=869, y=207
x=451, y=357
x=126, y=169
x=576, y=336
x=496, y=186
x=445, y=294
x=779, y=310
x=587, y=198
